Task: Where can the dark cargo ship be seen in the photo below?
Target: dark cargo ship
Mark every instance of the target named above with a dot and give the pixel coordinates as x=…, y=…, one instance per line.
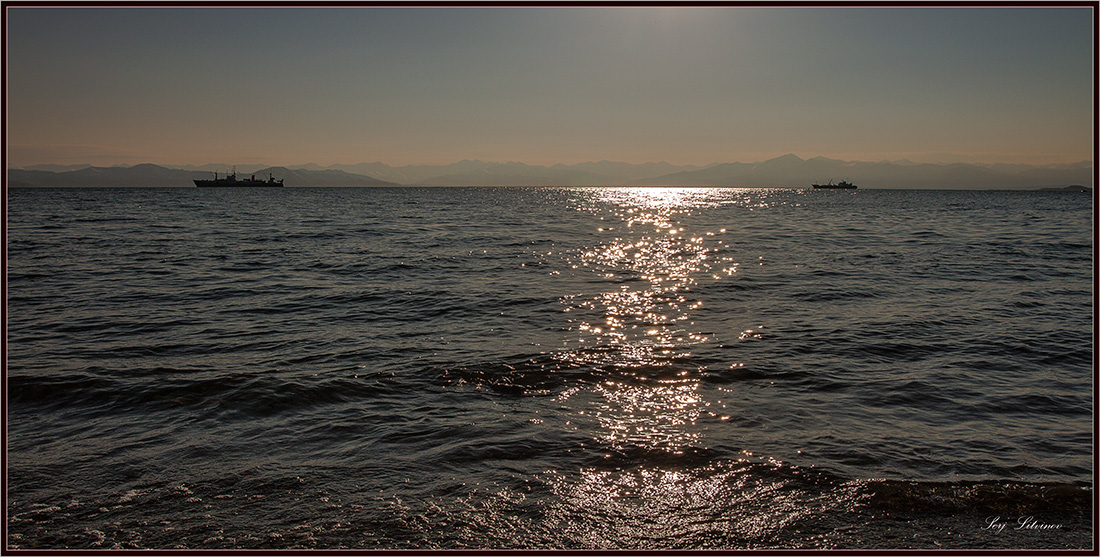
x=831, y=186
x=231, y=181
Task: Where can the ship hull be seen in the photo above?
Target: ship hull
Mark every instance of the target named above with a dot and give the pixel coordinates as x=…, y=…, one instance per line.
x=236, y=184
x=827, y=187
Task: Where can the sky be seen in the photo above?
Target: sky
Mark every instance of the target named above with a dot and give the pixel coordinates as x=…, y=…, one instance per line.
x=547, y=85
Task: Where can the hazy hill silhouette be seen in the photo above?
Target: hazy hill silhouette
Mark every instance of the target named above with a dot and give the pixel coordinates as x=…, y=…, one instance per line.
x=142, y=175
x=792, y=171
x=151, y=175
x=296, y=177
x=481, y=173
x=785, y=171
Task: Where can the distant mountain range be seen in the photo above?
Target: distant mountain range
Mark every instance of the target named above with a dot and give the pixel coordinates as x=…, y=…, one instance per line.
x=784, y=171
x=790, y=170
x=151, y=175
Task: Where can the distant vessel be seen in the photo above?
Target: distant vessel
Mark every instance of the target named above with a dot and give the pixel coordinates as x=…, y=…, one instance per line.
x=831, y=186
x=231, y=181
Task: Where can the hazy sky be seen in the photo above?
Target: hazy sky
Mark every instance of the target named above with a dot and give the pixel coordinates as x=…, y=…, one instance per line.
x=547, y=85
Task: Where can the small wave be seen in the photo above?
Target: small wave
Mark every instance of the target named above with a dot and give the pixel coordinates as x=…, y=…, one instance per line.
x=1009, y=498
x=1036, y=403
x=834, y=295
x=546, y=373
x=77, y=389
x=246, y=396
x=665, y=458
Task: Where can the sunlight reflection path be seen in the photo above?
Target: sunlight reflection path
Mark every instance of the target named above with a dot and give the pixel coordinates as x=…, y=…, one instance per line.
x=654, y=262
x=648, y=412
x=640, y=329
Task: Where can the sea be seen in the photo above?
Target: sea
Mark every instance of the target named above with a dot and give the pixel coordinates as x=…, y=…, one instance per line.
x=549, y=369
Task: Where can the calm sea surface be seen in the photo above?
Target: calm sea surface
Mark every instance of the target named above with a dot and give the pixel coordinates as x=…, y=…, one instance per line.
x=548, y=368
